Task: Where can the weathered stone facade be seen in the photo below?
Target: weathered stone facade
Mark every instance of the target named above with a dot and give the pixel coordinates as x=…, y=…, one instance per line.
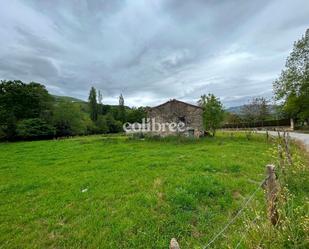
x=178, y=111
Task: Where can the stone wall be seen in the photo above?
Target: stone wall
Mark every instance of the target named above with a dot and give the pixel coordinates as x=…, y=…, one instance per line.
x=177, y=111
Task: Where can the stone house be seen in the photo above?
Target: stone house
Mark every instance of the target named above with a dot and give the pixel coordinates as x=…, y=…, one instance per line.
x=177, y=111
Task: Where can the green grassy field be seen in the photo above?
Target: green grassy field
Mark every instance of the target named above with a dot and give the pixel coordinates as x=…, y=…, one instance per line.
x=112, y=192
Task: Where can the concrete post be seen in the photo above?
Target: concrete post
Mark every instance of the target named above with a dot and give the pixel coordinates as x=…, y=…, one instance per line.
x=292, y=124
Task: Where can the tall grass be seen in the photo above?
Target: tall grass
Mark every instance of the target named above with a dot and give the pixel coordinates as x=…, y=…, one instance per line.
x=292, y=230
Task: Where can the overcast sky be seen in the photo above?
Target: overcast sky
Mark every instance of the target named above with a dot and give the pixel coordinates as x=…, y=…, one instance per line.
x=151, y=51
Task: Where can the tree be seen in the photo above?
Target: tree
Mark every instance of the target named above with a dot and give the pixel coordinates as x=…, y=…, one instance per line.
x=121, y=111
x=34, y=128
x=136, y=114
x=101, y=124
x=213, y=112
x=93, y=106
x=292, y=87
x=232, y=118
x=100, y=105
x=256, y=110
x=69, y=120
x=114, y=126
x=20, y=101
x=100, y=97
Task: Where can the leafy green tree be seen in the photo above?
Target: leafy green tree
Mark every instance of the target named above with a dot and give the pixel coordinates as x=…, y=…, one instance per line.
x=22, y=101
x=69, y=120
x=114, y=126
x=93, y=106
x=34, y=128
x=102, y=125
x=2, y=134
x=256, y=110
x=232, y=118
x=100, y=97
x=213, y=113
x=292, y=87
x=121, y=110
x=100, y=103
x=136, y=114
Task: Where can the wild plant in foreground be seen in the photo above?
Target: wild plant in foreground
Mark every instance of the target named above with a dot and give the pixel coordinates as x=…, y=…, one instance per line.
x=292, y=229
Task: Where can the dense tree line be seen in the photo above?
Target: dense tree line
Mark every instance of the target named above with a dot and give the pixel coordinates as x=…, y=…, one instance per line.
x=28, y=111
x=257, y=111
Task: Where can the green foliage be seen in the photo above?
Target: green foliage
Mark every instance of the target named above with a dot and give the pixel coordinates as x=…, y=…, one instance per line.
x=267, y=123
x=30, y=104
x=69, y=120
x=20, y=101
x=34, y=128
x=136, y=114
x=256, y=110
x=292, y=204
x=121, y=111
x=102, y=124
x=93, y=106
x=2, y=133
x=231, y=118
x=293, y=84
x=213, y=113
x=114, y=126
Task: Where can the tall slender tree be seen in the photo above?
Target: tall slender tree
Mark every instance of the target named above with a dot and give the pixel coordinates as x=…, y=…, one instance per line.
x=100, y=98
x=121, y=112
x=100, y=105
x=93, y=106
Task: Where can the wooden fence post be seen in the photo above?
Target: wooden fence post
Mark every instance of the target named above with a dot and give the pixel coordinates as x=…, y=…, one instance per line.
x=174, y=244
x=267, y=136
x=272, y=188
x=280, y=157
x=279, y=136
x=286, y=141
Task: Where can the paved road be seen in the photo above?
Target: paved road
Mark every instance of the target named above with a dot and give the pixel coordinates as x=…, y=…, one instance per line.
x=302, y=137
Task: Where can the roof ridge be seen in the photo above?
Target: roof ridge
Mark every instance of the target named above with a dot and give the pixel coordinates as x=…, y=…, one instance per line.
x=176, y=100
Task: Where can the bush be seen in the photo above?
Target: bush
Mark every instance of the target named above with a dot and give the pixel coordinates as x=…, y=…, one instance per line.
x=281, y=122
x=101, y=124
x=2, y=133
x=34, y=128
x=69, y=120
x=114, y=126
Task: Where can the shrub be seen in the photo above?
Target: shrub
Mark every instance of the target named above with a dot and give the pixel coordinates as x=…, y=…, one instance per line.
x=101, y=124
x=34, y=128
x=69, y=120
x=114, y=126
x=2, y=133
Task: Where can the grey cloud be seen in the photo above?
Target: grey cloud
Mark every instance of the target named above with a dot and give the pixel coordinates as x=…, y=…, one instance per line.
x=150, y=51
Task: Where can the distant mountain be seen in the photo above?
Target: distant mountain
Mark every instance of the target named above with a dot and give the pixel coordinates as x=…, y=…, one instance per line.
x=81, y=102
x=237, y=109
x=67, y=98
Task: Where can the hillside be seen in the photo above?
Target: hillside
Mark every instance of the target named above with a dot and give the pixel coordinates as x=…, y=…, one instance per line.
x=84, y=104
x=67, y=98
x=237, y=109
